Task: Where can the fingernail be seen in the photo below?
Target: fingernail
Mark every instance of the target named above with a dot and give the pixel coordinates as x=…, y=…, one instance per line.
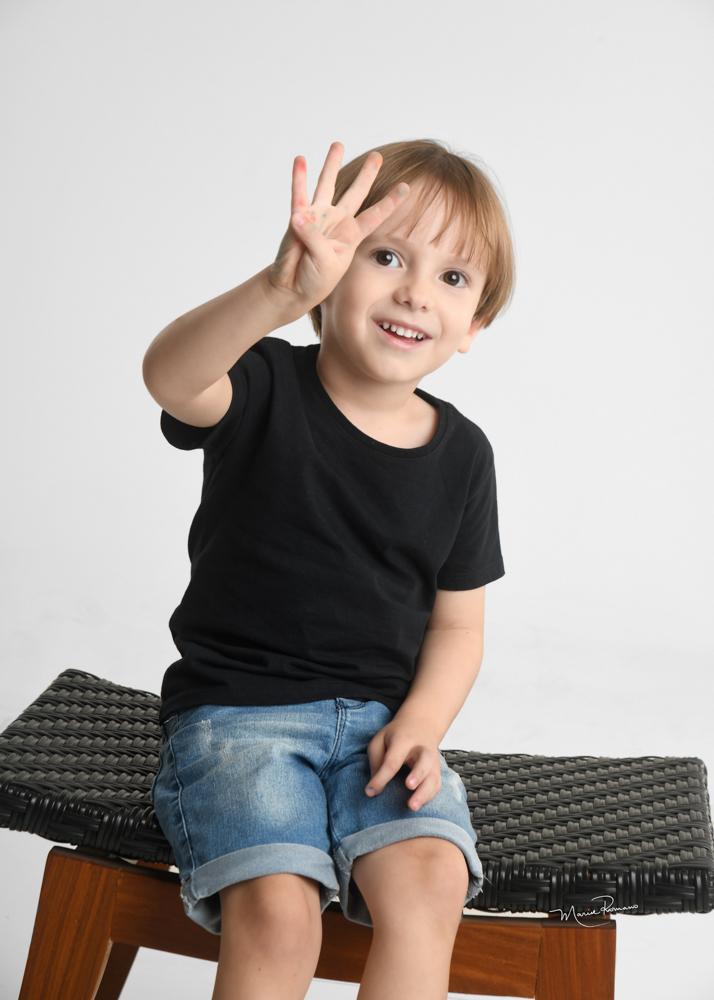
x=402, y=189
x=369, y=790
x=299, y=220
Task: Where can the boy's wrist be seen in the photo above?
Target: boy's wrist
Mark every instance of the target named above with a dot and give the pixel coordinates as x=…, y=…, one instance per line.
x=286, y=306
x=415, y=714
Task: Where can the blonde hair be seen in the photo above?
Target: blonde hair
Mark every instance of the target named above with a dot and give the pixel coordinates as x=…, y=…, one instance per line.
x=469, y=194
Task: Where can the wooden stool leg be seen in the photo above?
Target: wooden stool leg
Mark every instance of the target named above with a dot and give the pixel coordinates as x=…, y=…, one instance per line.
x=71, y=944
x=577, y=963
x=117, y=969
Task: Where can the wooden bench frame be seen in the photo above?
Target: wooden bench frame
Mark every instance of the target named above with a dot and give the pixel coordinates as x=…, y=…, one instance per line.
x=95, y=911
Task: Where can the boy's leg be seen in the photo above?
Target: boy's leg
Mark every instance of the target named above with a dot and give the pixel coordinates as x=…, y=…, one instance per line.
x=415, y=891
x=271, y=936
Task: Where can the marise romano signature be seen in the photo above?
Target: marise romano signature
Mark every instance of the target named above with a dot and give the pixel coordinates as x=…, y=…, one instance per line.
x=605, y=908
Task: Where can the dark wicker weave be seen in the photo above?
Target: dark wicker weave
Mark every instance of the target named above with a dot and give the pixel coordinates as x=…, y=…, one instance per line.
x=554, y=832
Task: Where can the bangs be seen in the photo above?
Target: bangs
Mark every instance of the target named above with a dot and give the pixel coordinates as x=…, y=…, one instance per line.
x=472, y=241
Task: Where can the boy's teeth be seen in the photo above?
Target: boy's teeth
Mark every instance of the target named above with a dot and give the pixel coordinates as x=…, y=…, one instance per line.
x=402, y=331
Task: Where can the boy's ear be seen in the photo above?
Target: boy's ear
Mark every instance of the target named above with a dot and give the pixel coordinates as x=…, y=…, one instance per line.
x=470, y=335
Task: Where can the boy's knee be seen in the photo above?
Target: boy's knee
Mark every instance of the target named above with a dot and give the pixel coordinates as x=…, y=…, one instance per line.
x=274, y=911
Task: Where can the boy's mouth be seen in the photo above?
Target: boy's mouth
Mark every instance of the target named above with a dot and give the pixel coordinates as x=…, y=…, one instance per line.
x=406, y=342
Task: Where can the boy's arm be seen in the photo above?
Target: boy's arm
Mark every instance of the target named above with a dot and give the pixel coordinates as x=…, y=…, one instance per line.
x=186, y=364
x=449, y=661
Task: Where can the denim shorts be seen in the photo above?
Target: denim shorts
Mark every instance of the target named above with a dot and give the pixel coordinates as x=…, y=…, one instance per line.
x=245, y=791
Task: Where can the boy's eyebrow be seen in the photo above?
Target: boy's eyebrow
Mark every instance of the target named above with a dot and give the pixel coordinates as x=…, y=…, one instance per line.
x=374, y=237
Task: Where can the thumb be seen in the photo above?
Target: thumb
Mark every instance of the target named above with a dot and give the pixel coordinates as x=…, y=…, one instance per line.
x=305, y=224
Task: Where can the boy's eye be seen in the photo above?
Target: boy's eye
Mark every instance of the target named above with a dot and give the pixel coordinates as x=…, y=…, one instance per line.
x=393, y=254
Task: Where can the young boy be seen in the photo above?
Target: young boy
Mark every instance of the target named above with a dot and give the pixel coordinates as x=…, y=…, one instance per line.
x=333, y=623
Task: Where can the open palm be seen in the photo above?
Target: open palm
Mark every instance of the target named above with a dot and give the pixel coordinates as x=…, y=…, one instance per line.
x=322, y=238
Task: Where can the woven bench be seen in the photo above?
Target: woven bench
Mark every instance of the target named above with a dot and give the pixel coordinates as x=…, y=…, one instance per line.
x=577, y=839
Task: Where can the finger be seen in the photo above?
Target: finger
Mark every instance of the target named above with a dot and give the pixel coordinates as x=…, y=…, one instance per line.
x=325, y=188
x=359, y=188
x=420, y=771
x=424, y=793
x=381, y=210
x=299, y=186
x=383, y=776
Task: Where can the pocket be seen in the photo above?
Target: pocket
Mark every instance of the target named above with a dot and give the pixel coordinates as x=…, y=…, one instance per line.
x=179, y=720
x=168, y=725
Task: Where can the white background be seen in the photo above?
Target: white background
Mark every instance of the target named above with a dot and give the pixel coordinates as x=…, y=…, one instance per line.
x=147, y=158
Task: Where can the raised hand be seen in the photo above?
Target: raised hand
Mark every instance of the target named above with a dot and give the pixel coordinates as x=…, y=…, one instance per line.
x=321, y=238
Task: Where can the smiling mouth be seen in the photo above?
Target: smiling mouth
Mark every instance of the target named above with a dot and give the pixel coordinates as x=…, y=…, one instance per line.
x=406, y=343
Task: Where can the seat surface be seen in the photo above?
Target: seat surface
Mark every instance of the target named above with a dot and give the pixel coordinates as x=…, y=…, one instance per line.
x=633, y=834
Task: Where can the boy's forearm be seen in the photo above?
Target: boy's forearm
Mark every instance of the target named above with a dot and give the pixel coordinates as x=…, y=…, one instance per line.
x=199, y=347
x=448, y=665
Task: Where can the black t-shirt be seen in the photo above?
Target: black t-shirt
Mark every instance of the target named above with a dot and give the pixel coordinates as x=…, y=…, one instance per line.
x=316, y=550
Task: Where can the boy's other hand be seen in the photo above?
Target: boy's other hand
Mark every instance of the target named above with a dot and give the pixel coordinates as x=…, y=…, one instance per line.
x=321, y=238
x=398, y=743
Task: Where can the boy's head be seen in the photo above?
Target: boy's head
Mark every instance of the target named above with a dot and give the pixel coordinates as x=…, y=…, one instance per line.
x=442, y=261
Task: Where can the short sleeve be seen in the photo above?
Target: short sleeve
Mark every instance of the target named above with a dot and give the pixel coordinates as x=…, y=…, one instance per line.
x=214, y=438
x=475, y=558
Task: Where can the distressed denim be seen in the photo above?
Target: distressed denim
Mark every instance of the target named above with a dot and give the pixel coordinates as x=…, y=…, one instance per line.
x=246, y=791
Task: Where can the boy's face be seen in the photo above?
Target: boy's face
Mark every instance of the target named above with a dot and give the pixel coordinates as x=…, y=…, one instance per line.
x=410, y=281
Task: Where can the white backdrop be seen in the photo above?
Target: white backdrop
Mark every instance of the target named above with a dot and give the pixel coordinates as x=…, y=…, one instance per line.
x=147, y=158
